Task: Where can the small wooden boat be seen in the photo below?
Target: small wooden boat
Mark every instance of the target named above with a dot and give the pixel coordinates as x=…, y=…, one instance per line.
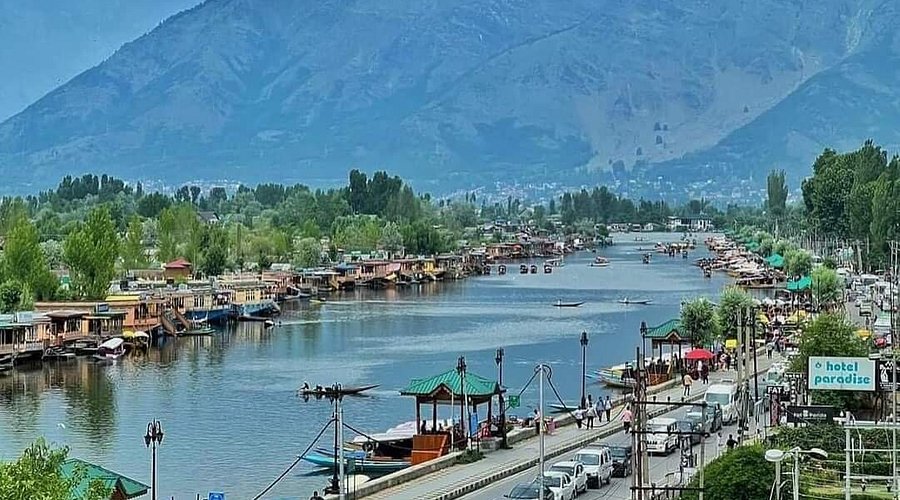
x=330, y=391
x=198, y=332
x=646, y=258
x=636, y=302
x=533, y=269
x=110, y=351
x=6, y=362
x=57, y=353
x=560, y=303
x=548, y=269
x=501, y=269
x=486, y=270
x=616, y=376
x=560, y=408
x=600, y=262
x=523, y=269
x=357, y=461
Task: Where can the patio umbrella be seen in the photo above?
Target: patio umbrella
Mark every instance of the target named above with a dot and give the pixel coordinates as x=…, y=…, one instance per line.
x=699, y=354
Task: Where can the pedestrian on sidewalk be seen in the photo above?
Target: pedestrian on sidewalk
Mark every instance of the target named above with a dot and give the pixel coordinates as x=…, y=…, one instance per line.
x=626, y=419
x=769, y=349
x=687, y=381
x=590, y=401
x=537, y=420
x=591, y=415
x=731, y=443
x=704, y=374
x=608, y=408
x=579, y=416
x=598, y=410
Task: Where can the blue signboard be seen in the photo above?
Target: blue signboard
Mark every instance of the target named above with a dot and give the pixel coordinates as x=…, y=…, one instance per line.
x=216, y=496
x=473, y=424
x=841, y=373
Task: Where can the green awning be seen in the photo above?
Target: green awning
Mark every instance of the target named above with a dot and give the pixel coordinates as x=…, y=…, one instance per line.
x=803, y=283
x=670, y=330
x=450, y=382
x=121, y=486
x=775, y=260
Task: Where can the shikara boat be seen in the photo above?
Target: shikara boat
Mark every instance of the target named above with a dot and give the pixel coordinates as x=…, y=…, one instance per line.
x=560, y=303
x=330, y=391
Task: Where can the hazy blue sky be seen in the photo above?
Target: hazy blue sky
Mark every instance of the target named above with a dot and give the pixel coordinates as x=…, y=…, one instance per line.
x=44, y=43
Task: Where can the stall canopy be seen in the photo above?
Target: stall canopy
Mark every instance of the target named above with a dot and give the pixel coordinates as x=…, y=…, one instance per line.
x=775, y=260
x=801, y=284
x=699, y=354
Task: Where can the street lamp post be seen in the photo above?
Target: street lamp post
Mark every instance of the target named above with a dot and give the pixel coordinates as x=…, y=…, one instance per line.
x=499, y=360
x=777, y=456
x=464, y=410
x=584, y=343
x=152, y=439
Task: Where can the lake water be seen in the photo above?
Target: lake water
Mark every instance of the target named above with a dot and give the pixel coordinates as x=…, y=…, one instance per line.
x=227, y=403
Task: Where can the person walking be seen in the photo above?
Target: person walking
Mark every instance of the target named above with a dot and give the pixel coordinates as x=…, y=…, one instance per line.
x=687, y=381
x=537, y=420
x=704, y=374
x=579, y=416
x=627, y=417
x=608, y=408
x=591, y=415
x=731, y=443
x=598, y=411
x=769, y=348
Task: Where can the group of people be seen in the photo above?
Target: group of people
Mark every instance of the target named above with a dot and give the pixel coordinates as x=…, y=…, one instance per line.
x=698, y=371
x=584, y=417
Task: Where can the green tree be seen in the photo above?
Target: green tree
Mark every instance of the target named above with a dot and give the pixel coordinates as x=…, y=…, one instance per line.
x=10, y=296
x=797, y=263
x=215, y=251
x=133, y=254
x=37, y=475
x=731, y=304
x=308, y=253
x=91, y=252
x=422, y=238
x=358, y=232
x=827, y=287
x=740, y=474
x=698, y=319
x=776, y=191
x=153, y=204
x=830, y=335
x=24, y=262
x=391, y=239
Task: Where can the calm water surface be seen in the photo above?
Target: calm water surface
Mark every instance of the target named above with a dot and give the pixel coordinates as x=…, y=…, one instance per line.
x=228, y=403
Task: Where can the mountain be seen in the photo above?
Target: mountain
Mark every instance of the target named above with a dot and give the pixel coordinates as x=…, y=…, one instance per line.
x=839, y=108
x=451, y=92
x=44, y=44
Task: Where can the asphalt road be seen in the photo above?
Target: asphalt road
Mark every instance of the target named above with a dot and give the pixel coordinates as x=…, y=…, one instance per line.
x=620, y=488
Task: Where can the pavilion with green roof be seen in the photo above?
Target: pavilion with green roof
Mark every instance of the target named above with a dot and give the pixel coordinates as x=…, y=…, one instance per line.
x=670, y=333
x=447, y=388
x=122, y=487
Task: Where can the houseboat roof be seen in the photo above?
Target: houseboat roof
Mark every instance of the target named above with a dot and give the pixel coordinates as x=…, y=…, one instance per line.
x=65, y=314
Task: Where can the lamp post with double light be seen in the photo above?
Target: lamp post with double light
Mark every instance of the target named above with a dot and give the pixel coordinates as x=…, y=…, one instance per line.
x=152, y=439
x=777, y=456
x=499, y=360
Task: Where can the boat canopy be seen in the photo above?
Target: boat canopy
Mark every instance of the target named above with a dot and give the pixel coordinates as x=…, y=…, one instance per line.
x=112, y=344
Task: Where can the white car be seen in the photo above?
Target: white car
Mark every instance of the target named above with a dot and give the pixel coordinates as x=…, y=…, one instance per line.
x=597, y=464
x=560, y=484
x=576, y=471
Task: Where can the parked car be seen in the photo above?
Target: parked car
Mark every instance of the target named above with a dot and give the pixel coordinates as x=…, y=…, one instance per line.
x=685, y=427
x=663, y=435
x=713, y=418
x=621, y=459
x=726, y=396
x=529, y=491
x=561, y=485
x=597, y=464
x=576, y=471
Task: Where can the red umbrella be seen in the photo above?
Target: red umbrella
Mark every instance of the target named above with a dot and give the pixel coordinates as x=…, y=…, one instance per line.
x=699, y=354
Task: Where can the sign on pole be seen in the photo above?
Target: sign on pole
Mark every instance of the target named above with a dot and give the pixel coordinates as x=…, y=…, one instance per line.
x=512, y=402
x=837, y=373
x=216, y=496
x=811, y=414
x=886, y=374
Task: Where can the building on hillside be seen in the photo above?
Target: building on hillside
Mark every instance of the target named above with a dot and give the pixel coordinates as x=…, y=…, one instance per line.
x=209, y=218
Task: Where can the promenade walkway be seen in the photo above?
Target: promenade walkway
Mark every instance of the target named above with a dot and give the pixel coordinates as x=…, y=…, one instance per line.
x=458, y=480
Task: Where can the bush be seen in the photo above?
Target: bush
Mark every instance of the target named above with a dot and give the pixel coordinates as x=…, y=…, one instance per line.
x=740, y=474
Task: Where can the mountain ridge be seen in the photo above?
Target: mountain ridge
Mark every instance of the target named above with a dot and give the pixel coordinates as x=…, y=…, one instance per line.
x=474, y=90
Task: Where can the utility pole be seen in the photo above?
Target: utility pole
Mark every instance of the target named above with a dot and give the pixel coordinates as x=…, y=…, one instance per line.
x=499, y=359
x=543, y=369
x=895, y=480
x=339, y=422
x=640, y=475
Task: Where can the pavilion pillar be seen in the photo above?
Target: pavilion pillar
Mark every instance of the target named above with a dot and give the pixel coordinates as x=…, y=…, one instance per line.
x=418, y=416
x=434, y=415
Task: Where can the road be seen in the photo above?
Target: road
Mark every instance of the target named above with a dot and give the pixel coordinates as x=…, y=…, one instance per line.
x=620, y=488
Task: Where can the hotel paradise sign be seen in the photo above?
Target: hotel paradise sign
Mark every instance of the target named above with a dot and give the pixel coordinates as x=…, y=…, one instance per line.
x=835, y=373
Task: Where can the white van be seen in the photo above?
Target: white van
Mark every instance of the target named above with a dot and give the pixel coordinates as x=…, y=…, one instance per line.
x=663, y=437
x=597, y=464
x=726, y=396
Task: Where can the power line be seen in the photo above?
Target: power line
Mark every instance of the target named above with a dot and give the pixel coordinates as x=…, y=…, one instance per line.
x=297, y=461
